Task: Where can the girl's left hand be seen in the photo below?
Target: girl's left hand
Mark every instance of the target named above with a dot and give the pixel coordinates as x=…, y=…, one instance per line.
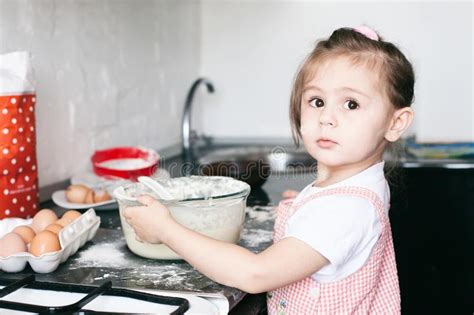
x=290, y=194
x=148, y=221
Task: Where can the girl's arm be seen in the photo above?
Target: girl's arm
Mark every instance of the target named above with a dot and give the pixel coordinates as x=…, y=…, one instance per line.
x=285, y=262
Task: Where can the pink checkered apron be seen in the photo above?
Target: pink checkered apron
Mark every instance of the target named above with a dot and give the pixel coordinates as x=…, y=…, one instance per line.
x=373, y=289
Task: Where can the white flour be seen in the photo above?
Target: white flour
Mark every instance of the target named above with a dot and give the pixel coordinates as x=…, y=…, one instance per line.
x=125, y=164
x=103, y=255
x=193, y=187
x=261, y=214
x=254, y=238
x=204, y=186
x=112, y=255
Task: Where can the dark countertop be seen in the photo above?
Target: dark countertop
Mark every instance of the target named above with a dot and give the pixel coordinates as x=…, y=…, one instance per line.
x=106, y=257
x=113, y=261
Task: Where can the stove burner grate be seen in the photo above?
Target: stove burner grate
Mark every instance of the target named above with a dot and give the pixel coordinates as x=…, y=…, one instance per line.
x=91, y=292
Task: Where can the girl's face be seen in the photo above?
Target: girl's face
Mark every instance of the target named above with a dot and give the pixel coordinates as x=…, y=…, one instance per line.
x=345, y=114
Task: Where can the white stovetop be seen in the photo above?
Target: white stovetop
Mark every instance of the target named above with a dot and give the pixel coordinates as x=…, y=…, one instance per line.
x=198, y=305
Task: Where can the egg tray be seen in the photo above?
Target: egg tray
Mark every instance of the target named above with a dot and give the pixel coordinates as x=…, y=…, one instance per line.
x=71, y=237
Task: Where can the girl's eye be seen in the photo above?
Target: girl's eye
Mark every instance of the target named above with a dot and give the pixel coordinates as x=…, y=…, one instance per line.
x=316, y=102
x=351, y=104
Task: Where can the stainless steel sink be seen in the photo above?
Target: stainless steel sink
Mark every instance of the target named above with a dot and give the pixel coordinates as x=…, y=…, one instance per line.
x=280, y=159
x=254, y=164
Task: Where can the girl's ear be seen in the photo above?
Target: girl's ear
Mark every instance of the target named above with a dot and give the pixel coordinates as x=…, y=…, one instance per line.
x=401, y=120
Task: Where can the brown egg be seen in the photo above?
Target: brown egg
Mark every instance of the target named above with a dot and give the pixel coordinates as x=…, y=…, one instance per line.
x=44, y=242
x=63, y=221
x=90, y=196
x=77, y=193
x=55, y=228
x=71, y=215
x=26, y=233
x=42, y=219
x=101, y=196
x=12, y=243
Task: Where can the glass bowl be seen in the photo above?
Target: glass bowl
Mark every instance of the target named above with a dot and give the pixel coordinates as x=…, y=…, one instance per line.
x=210, y=205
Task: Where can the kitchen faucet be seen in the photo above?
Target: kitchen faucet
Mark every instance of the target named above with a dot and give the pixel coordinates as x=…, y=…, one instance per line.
x=187, y=149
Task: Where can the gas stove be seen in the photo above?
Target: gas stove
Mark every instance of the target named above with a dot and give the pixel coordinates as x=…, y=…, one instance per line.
x=28, y=295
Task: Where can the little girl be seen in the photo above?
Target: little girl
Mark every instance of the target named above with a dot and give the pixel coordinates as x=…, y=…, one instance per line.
x=333, y=249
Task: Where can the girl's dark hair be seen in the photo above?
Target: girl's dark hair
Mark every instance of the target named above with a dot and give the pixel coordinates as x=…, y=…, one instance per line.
x=397, y=74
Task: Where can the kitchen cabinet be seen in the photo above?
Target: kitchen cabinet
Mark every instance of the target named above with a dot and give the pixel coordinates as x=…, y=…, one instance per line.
x=432, y=217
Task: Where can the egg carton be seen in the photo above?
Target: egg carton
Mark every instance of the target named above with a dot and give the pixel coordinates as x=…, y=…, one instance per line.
x=71, y=237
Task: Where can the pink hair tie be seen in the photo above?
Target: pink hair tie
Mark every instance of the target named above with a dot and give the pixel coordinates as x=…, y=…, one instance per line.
x=367, y=32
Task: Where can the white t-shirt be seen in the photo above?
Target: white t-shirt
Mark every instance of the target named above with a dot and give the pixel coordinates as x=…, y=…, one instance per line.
x=342, y=228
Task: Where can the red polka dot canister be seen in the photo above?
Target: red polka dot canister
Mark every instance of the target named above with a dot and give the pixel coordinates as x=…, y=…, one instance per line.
x=18, y=164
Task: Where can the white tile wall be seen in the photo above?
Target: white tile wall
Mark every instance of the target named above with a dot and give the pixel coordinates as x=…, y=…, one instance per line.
x=251, y=50
x=108, y=72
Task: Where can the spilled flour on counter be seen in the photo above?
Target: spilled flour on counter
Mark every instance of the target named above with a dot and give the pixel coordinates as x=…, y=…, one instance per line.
x=255, y=238
x=112, y=260
x=112, y=252
x=257, y=233
x=261, y=214
x=108, y=258
x=103, y=255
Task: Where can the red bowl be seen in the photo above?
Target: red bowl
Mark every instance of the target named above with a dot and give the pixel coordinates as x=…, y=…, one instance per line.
x=122, y=169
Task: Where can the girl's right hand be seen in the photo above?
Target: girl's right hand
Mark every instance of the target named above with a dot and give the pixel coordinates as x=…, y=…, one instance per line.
x=290, y=194
x=150, y=222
